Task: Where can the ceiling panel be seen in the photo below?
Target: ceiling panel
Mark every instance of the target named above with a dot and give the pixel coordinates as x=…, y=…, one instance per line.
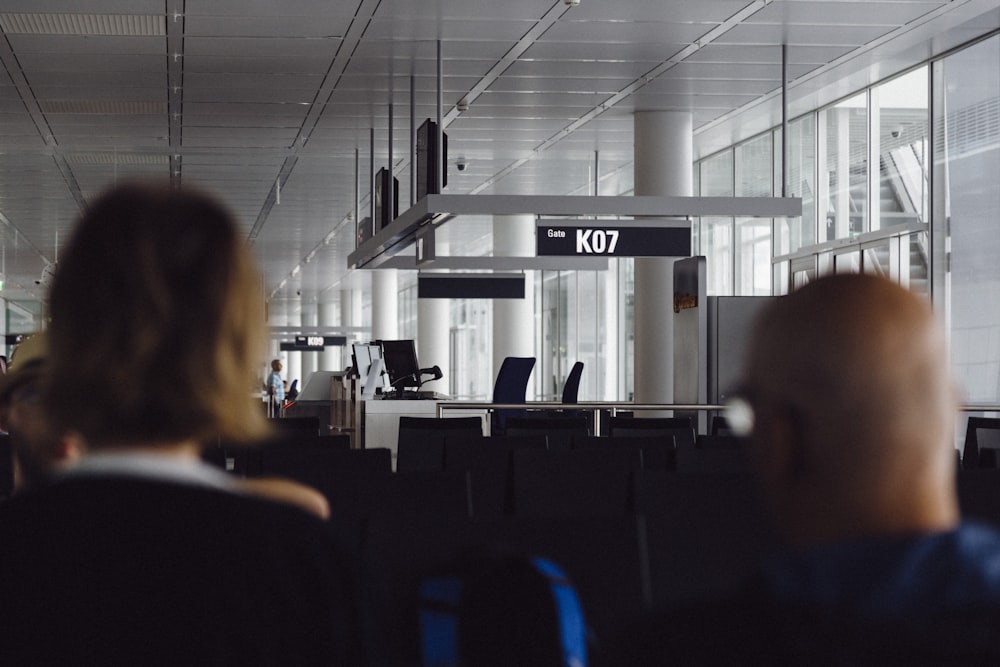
x=816, y=12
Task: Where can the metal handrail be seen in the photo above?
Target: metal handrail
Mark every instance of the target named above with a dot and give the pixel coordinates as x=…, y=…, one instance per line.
x=596, y=406
x=614, y=406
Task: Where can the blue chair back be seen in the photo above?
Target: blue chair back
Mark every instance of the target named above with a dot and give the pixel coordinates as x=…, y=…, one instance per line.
x=511, y=387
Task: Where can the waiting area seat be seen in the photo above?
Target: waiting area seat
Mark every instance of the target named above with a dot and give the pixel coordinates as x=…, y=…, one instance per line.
x=982, y=443
x=574, y=482
x=705, y=532
x=489, y=462
x=420, y=444
x=678, y=428
x=657, y=453
x=511, y=386
x=560, y=430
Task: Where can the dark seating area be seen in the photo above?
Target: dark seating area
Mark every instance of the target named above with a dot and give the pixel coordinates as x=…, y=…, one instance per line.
x=636, y=519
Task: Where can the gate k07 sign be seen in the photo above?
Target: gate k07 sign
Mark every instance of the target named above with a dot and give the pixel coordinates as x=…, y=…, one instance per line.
x=646, y=238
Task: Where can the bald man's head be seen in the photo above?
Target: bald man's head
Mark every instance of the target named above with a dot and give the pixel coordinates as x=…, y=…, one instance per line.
x=854, y=406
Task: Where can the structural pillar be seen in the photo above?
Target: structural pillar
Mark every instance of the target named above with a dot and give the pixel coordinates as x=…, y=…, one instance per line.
x=514, y=319
x=310, y=360
x=330, y=358
x=433, y=340
x=350, y=318
x=663, y=167
x=290, y=360
x=434, y=335
x=385, y=304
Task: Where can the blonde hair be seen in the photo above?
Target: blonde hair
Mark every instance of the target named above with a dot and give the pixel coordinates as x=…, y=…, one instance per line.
x=157, y=322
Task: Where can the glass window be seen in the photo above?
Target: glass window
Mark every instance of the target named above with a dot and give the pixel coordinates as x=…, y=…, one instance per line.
x=715, y=240
x=753, y=257
x=795, y=233
x=471, y=339
x=843, y=196
x=717, y=247
x=754, y=160
x=717, y=175
x=968, y=163
x=900, y=107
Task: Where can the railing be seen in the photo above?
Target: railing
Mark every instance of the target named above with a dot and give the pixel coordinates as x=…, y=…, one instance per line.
x=613, y=407
x=597, y=407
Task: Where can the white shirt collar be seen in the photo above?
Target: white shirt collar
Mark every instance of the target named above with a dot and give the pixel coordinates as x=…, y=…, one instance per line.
x=153, y=467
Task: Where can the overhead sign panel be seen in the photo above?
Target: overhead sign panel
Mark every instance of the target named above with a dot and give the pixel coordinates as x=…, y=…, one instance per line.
x=312, y=343
x=593, y=239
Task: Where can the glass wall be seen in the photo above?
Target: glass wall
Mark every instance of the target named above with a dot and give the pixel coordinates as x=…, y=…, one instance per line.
x=843, y=147
x=578, y=313
x=967, y=165
x=900, y=119
x=909, y=232
x=715, y=235
x=753, y=178
x=471, y=337
x=791, y=234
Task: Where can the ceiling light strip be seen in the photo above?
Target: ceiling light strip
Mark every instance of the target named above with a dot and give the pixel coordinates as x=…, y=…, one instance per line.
x=103, y=107
x=115, y=25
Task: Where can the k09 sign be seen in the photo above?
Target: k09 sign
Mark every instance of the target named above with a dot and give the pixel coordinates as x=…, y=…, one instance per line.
x=594, y=240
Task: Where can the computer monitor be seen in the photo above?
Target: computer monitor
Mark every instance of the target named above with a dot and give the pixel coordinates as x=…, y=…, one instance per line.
x=366, y=354
x=386, y=209
x=400, y=357
x=427, y=150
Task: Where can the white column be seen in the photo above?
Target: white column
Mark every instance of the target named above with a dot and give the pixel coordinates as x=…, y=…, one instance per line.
x=330, y=358
x=310, y=360
x=514, y=319
x=292, y=361
x=433, y=339
x=350, y=316
x=385, y=304
x=434, y=335
x=663, y=166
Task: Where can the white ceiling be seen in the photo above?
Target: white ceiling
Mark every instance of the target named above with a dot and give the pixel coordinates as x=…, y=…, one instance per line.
x=238, y=95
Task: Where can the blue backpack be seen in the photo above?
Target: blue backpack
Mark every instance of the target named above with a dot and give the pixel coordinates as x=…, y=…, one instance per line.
x=502, y=611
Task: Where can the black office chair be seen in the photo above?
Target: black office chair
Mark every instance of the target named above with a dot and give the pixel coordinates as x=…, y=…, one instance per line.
x=571, y=389
x=511, y=387
x=975, y=454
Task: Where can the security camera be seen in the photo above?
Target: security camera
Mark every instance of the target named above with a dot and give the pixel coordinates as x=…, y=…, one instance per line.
x=896, y=133
x=460, y=164
x=48, y=273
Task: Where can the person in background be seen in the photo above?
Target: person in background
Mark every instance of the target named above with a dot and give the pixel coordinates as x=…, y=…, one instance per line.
x=38, y=450
x=275, y=389
x=140, y=553
x=853, y=408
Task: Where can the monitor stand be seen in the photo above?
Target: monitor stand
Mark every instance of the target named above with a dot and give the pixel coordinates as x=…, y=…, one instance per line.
x=374, y=379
